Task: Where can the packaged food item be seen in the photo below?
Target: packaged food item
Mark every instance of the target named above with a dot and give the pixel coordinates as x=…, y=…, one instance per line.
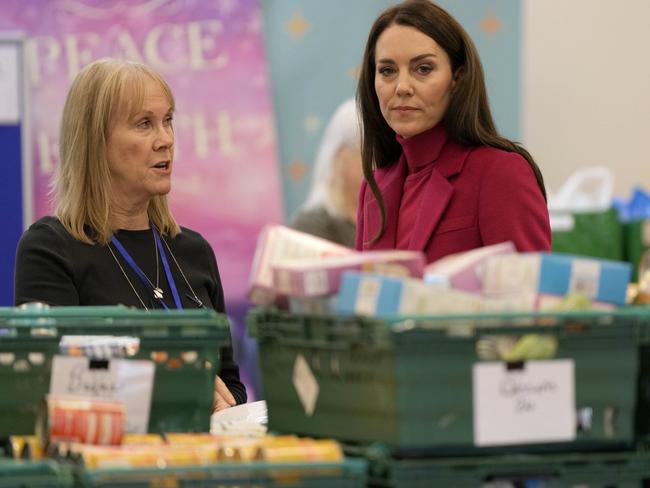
x=305, y=450
x=191, y=438
x=142, y=439
x=84, y=420
x=26, y=447
x=238, y=450
x=99, y=346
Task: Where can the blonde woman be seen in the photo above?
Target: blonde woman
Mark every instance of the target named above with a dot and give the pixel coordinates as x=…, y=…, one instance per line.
x=331, y=208
x=113, y=239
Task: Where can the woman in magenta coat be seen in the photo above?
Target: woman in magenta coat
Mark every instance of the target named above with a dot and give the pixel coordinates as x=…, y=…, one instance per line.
x=438, y=176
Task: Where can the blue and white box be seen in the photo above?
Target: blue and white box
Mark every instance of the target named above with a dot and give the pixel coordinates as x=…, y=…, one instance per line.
x=558, y=274
x=377, y=295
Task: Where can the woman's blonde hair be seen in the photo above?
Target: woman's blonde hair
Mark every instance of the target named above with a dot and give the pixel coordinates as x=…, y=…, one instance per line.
x=101, y=92
x=328, y=185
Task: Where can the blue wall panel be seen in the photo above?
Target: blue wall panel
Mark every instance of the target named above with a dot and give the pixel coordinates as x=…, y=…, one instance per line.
x=11, y=216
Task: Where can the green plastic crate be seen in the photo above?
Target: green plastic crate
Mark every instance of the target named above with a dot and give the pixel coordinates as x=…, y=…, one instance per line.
x=643, y=393
x=182, y=393
x=349, y=474
x=595, y=470
x=408, y=382
x=34, y=474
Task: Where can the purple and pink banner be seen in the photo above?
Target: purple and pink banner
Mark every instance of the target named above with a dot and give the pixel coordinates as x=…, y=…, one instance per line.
x=226, y=182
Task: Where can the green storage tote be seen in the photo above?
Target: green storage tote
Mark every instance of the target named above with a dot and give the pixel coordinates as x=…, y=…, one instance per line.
x=34, y=474
x=185, y=342
x=349, y=474
x=408, y=382
x=575, y=470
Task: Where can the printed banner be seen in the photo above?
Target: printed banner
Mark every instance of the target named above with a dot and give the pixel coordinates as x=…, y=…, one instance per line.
x=226, y=181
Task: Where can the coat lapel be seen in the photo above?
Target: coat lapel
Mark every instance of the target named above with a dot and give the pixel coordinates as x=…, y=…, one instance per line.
x=437, y=194
x=390, y=182
x=432, y=206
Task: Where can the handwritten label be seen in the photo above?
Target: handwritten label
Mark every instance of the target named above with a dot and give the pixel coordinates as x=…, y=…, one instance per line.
x=126, y=380
x=531, y=404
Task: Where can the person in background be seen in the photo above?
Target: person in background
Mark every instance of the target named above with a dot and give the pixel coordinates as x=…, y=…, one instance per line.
x=331, y=208
x=438, y=176
x=114, y=239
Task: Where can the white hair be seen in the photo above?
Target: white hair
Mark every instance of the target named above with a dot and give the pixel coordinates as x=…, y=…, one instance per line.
x=342, y=131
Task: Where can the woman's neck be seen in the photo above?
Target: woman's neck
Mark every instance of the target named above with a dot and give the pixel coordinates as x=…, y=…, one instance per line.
x=132, y=218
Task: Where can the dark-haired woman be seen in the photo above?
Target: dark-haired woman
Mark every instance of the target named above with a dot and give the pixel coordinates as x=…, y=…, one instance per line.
x=438, y=176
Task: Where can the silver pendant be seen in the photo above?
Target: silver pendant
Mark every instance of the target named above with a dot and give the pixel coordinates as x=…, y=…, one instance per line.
x=157, y=293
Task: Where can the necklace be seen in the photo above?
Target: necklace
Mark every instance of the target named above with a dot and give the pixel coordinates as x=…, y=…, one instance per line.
x=156, y=290
x=127, y=277
x=194, y=297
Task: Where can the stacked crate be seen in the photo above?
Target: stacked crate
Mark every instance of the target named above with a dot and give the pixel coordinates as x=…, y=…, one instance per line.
x=185, y=349
x=420, y=386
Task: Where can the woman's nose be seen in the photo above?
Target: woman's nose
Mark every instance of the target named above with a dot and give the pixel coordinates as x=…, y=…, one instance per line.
x=165, y=138
x=404, y=86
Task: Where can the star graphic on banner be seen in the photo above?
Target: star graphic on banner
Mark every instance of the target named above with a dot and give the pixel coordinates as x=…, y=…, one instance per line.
x=354, y=72
x=312, y=123
x=491, y=24
x=297, y=171
x=298, y=26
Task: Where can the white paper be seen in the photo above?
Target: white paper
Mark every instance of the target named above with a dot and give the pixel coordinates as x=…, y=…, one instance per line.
x=535, y=404
x=126, y=380
x=305, y=384
x=9, y=84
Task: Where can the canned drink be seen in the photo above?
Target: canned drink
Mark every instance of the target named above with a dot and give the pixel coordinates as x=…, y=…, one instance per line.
x=87, y=421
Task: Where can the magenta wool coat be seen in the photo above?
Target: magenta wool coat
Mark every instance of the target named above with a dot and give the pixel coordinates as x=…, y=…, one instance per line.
x=475, y=196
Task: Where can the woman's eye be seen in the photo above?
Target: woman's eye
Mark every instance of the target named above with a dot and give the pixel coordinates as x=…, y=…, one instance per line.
x=386, y=71
x=169, y=120
x=424, y=69
x=144, y=123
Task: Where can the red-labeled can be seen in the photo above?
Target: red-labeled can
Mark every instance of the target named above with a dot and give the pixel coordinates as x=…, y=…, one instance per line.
x=88, y=421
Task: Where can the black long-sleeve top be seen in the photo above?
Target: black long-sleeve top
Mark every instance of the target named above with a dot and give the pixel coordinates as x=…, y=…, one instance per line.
x=55, y=268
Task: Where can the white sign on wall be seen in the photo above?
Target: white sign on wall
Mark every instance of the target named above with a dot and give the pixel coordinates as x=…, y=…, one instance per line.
x=531, y=404
x=10, y=83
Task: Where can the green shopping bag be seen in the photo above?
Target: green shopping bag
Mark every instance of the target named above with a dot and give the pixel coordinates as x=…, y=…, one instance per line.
x=595, y=234
x=636, y=240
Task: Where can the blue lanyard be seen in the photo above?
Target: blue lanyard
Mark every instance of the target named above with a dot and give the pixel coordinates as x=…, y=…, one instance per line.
x=145, y=281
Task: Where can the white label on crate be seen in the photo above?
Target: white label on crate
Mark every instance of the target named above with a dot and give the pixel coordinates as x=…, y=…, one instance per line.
x=585, y=278
x=533, y=404
x=126, y=380
x=305, y=384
